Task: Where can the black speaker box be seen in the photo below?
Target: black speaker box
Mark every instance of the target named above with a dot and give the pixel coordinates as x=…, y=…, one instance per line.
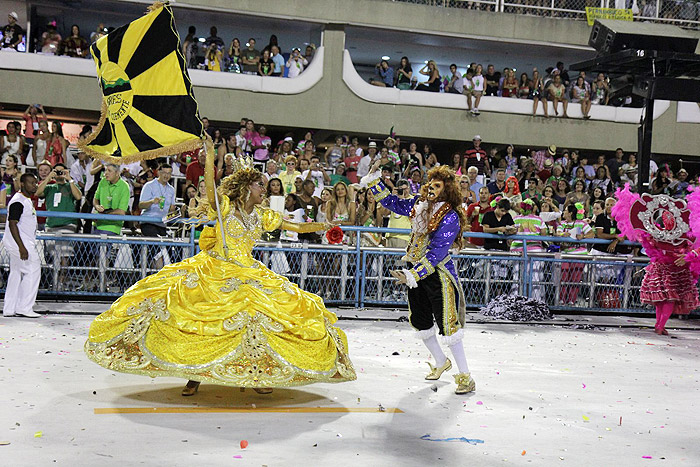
x=609, y=36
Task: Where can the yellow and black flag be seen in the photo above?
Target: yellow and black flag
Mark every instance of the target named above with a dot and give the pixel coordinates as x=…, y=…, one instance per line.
x=148, y=106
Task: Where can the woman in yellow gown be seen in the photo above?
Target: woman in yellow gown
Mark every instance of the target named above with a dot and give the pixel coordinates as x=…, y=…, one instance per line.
x=222, y=316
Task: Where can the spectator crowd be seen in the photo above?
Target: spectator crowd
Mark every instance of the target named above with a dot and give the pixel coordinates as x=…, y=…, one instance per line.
x=211, y=53
x=551, y=89
x=546, y=191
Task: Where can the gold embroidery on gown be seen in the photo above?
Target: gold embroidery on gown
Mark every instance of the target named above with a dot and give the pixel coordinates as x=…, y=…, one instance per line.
x=225, y=319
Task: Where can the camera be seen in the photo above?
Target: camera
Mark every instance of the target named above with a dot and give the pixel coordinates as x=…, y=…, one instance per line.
x=59, y=172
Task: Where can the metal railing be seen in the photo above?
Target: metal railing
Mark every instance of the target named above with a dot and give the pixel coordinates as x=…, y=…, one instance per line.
x=684, y=13
x=485, y=5
x=75, y=266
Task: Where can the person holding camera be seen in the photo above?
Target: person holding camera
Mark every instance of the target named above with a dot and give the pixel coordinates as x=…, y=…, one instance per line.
x=317, y=174
x=214, y=58
x=384, y=75
x=61, y=193
x=31, y=121
x=296, y=63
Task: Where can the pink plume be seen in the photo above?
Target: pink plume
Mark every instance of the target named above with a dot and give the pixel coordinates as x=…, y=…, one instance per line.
x=693, y=200
x=621, y=212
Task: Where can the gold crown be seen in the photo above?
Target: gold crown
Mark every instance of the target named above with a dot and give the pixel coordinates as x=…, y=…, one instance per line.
x=241, y=162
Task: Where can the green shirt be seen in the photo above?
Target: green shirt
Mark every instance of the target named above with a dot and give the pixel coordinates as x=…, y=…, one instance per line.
x=112, y=196
x=59, y=198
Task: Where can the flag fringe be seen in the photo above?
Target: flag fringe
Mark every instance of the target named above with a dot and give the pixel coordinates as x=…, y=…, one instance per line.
x=155, y=6
x=175, y=149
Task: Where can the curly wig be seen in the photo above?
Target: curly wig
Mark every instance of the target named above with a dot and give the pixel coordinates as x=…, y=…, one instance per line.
x=451, y=194
x=235, y=187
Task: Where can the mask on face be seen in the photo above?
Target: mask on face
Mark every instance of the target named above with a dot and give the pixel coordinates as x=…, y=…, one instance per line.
x=435, y=189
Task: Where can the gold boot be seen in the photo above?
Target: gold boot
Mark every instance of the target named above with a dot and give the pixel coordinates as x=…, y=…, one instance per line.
x=465, y=383
x=191, y=388
x=435, y=373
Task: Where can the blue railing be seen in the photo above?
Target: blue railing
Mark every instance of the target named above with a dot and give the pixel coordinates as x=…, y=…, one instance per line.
x=96, y=266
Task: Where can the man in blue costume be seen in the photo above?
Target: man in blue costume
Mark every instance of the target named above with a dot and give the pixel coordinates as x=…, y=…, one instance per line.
x=435, y=296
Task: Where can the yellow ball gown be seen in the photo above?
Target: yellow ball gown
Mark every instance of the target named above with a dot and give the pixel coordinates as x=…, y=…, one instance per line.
x=225, y=319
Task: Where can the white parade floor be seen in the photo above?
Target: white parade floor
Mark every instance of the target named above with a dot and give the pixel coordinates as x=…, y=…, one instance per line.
x=546, y=395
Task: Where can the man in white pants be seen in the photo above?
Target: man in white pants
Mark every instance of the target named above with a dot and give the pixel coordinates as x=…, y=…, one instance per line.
x=20, y=242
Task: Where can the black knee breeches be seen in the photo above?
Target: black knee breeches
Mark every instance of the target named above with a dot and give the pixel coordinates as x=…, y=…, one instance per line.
x=435, y=300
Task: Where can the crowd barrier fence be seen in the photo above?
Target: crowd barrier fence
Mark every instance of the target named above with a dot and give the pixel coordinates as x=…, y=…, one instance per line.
x=103, y=267
x=685, y=13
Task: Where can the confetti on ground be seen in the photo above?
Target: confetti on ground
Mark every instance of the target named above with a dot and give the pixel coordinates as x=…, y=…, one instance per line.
x=4, y=443
x=38, y=434
x=479, y=403
x=523, y=453
x=238, y=457
x=454, y=440
x=244, y=444
x=584, y=385
x=647, y=457
x=585, y=419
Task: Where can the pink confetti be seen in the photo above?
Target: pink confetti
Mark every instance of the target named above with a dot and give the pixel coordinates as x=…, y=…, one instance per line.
x=238, y=457
x=646, y=457
x=649, y=411
x=498, y=372
x=584, y=385
x=479, y=403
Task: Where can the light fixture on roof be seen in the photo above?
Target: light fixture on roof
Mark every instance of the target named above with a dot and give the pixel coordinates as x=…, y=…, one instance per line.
x=426, y=62
x=385, y=57
x=201, y=39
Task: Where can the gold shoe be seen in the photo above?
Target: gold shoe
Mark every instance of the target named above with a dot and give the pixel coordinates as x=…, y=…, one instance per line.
x=435, y=373
x=191, y=388
x=263, y=390
x=465, y=383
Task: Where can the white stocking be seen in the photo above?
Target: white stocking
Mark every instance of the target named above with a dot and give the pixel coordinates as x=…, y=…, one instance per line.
x=457, y=350
x=431, y=342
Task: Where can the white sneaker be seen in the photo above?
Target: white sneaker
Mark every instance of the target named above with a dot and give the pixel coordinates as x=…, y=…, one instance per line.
x=7, y=314
x=28, y=314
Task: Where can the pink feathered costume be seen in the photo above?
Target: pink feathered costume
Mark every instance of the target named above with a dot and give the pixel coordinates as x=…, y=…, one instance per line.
x=666, y=228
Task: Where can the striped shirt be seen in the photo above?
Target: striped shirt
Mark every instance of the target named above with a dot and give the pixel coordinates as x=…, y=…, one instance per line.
x=477, y=158
x=568, y=229
x=528, y=225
